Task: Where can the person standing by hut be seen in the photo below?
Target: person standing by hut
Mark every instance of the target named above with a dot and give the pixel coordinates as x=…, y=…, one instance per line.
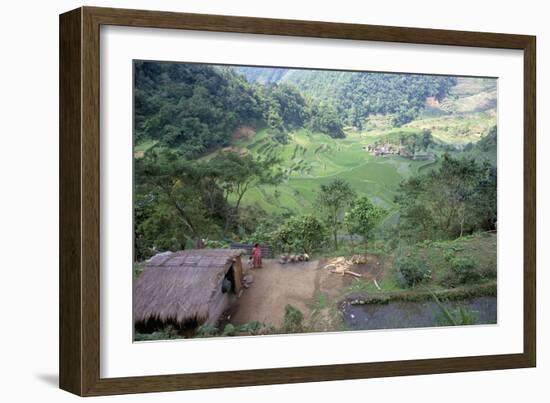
x=257, y=256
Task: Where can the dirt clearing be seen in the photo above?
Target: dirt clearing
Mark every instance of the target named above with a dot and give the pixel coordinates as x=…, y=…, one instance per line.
x=299, y=284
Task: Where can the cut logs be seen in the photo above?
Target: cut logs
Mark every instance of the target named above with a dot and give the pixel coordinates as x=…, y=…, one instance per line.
x=341, y=265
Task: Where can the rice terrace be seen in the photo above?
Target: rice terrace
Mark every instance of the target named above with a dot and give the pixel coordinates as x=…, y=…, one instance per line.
x=279, y=201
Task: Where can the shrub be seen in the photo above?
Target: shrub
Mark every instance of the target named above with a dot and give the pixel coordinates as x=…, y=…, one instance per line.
x=461, y=316
x=465, y=269
x=229, y=330
x=215, y=244
x=255, y=328
x=412, y=270
x=251, y=327
x=207, y=331
x=293, y=320
x=449, y=255
x=301, y=233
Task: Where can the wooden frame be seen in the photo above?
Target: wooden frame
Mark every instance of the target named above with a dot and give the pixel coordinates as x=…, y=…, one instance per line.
x=79, y=200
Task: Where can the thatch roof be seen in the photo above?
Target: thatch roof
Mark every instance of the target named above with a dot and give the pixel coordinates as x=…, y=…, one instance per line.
x=179, y=286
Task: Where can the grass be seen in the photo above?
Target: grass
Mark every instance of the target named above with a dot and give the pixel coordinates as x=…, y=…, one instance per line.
x=320, y=301
x=467, y=86
x=324, y=315
x=386, y=284
x=312, y=159
x=481, y=247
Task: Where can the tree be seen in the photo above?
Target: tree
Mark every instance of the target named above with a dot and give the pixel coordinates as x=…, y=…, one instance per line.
x=291, y=105
x=489, y=142
x=276, y=125
x=304, y=232
x=325, y=119
x=363, y=218
x=411, y=269
x=457, y=198
x=236, y=174
x=175, y=202
x=191, y=107
x=333, y=198
x=427, y=138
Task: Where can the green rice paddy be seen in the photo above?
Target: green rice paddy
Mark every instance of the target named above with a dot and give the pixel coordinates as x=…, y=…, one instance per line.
x=312, y=159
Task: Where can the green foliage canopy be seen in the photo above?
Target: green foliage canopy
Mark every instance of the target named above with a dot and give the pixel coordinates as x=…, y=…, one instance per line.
x=189, y=106
x=179, y=201
x=332, y=199
x=411, y=270
x=363, y=217
x=302, y=232
x=360, y=94
x=236, y=174
x=456, y=199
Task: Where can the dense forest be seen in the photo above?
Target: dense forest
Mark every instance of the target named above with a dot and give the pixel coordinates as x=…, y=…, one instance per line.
x=358, y=95
x=196, y=107
x=191, y=107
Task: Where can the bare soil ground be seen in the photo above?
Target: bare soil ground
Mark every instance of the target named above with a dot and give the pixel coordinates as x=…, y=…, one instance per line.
x=243, y=132
x=299, y=284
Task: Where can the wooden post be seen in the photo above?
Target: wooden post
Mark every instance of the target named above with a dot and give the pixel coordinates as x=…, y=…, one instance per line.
x=237, y=274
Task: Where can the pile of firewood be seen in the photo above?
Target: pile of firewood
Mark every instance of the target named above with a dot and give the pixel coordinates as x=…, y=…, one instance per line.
x=341, y=265
x=358, y=259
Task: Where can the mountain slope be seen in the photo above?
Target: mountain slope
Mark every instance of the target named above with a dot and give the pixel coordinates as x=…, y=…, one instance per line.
x=356, y=95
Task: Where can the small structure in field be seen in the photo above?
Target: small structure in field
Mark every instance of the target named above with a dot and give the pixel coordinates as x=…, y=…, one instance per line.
x=382, y=149
x=187, y=288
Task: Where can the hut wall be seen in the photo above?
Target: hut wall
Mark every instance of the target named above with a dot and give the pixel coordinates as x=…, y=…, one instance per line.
x=218, y=304
x=237, y=274
x=221, y=301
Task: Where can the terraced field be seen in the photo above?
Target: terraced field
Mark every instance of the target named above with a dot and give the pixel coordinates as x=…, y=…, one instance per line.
x=312, y=159
x=465, y=115
x=457, y=129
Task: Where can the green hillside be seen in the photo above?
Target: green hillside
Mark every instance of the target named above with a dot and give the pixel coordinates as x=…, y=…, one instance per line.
x=365, y=188
x=311, y=159
x=465, y=115
x=262, y=75
x=227, y=152
x=356, y=95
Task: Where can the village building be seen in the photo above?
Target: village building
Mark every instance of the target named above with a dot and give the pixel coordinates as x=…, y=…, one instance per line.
x=188, y=288
x=382, y=149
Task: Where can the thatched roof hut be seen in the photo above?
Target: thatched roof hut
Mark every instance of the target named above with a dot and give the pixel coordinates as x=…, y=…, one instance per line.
x=189, y=286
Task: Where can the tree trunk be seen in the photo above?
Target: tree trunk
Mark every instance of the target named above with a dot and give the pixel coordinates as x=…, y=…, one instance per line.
x=234, y=211
x=462, y=218
x=185, y=218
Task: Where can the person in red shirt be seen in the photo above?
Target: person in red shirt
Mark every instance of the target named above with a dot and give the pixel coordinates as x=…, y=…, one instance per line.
x=257, y=256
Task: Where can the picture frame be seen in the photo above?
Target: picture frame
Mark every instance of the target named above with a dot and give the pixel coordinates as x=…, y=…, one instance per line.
x=79, y=276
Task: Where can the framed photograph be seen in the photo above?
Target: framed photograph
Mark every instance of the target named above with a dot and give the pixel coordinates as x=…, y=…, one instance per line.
x=248, y=201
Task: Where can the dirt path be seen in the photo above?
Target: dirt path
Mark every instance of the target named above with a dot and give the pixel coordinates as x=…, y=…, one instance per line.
x=277, y=285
